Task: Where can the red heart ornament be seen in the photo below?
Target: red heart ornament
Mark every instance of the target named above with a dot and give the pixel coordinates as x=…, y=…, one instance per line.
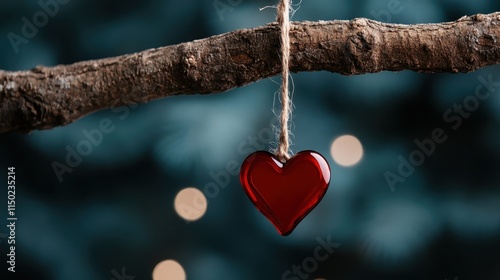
x=285, y=192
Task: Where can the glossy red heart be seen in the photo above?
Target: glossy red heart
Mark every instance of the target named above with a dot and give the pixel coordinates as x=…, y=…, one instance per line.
x=285, y=192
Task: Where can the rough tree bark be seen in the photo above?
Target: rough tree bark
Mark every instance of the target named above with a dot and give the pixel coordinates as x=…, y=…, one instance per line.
x=46, y=97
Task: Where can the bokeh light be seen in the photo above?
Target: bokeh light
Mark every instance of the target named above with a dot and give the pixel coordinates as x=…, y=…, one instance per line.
x=346, y=150
x=190, y=204
x=439, y=220
x=169, y=270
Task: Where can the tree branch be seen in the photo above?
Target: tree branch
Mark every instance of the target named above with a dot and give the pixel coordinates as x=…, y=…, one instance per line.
x=46, y=97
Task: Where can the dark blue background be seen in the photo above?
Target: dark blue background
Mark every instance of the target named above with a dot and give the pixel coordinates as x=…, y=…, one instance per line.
x=116, y=208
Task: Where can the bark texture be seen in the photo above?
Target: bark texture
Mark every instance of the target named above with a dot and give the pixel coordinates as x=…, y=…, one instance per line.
x=46, y=97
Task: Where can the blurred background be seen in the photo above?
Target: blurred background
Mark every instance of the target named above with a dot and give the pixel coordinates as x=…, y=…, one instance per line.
x=156, y=197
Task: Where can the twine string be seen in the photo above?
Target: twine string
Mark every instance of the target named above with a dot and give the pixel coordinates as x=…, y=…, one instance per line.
x=283, y=19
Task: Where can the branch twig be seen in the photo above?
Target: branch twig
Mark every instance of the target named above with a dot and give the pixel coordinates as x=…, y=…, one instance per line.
x=46, y=97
